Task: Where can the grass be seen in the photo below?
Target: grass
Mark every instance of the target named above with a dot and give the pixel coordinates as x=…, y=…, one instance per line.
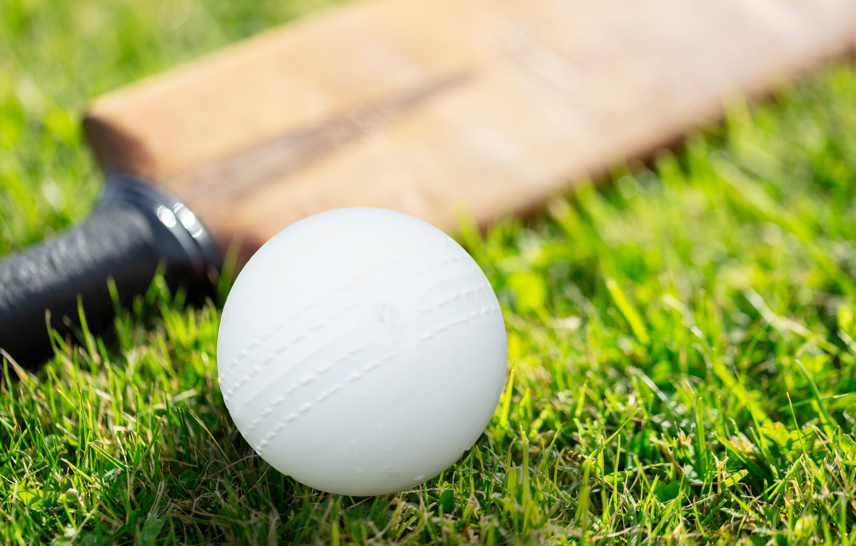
x=681, y=343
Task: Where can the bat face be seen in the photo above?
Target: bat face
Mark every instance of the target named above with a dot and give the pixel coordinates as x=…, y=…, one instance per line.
x=430, y=107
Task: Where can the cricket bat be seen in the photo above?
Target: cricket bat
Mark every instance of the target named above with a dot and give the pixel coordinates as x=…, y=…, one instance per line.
x=427, y=107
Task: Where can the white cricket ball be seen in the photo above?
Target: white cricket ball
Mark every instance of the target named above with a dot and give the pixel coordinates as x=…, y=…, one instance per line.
x=361, y=351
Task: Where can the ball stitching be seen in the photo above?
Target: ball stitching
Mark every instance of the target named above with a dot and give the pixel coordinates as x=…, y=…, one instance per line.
x=300, y=337
x=256, y=342
x=259, y=448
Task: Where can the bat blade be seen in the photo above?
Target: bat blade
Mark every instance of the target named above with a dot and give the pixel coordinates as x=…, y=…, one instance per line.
x=428, y=106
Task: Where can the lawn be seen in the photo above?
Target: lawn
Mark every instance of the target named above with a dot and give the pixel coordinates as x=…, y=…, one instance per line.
x=681, y=341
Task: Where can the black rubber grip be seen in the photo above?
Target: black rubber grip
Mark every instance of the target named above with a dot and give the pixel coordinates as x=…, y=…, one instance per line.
x=134, y=229
x=118, y=243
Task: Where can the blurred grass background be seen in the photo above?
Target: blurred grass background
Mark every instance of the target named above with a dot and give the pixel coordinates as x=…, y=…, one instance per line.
x=682, y=342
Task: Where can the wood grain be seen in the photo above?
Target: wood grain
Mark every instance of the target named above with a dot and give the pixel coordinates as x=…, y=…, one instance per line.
x=429, y=106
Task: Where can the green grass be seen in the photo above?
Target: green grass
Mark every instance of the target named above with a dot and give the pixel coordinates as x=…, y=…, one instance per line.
x=681, y=344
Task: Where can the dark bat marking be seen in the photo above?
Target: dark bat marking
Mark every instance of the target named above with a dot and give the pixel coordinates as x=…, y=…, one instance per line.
x=242, y=173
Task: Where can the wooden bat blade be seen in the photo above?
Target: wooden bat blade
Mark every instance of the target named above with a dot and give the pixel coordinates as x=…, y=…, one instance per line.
x=425, y=106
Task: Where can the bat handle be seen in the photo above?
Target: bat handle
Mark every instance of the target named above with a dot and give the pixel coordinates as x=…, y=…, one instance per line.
x=134, y=229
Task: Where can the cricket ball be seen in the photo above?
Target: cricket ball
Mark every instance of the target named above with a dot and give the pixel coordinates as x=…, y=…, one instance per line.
x=361, y=351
